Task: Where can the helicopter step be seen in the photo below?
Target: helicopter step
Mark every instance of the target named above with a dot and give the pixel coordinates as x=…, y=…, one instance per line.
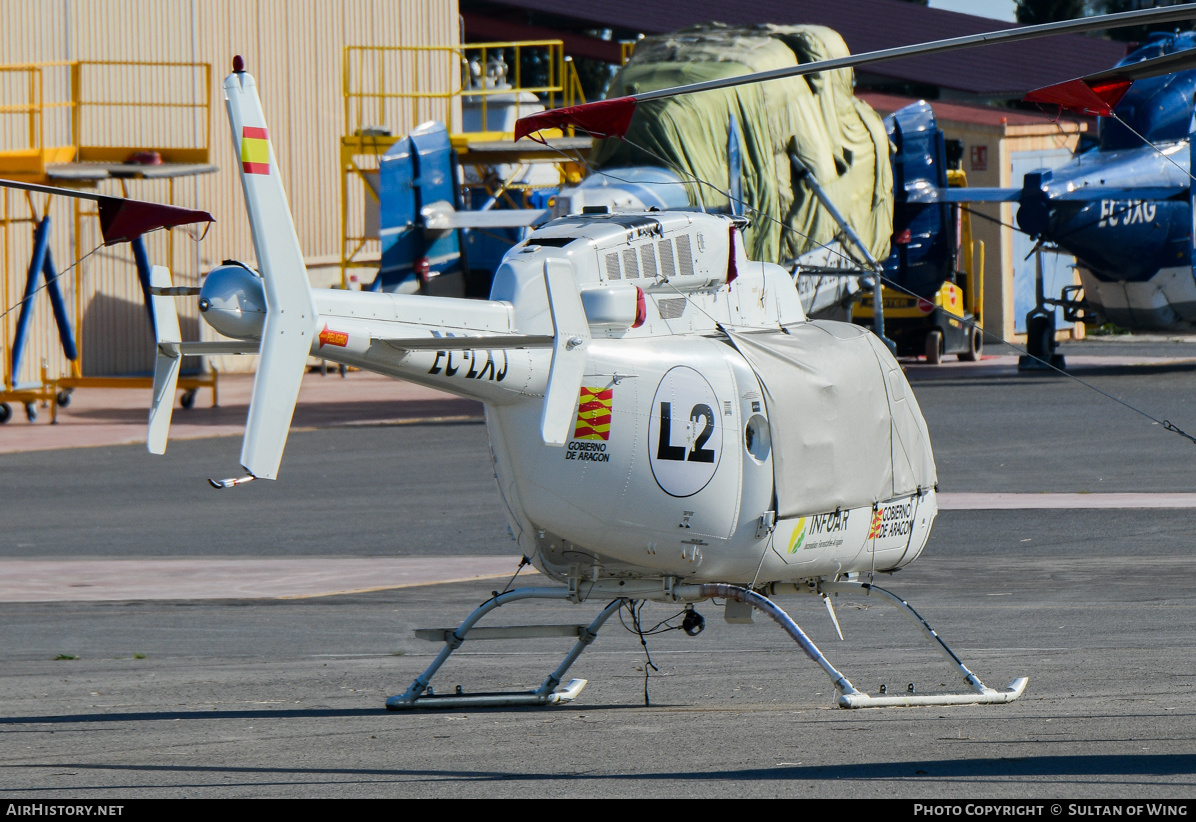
x=849, y=697
x=421, y=695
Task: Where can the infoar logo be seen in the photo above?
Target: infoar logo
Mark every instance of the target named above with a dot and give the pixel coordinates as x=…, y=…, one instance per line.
x=799, y=536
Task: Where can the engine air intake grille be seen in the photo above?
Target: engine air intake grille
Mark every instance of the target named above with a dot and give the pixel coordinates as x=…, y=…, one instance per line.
x=612, y=266
x=668, y=268
x=685, y=256
x=630, y=263
x=671, y=307
x=648, y=261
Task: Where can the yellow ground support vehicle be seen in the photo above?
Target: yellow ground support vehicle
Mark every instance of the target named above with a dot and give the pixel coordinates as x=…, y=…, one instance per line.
x=948, y=319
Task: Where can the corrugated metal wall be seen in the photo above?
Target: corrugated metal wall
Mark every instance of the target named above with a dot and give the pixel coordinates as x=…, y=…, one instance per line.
x=293, y=48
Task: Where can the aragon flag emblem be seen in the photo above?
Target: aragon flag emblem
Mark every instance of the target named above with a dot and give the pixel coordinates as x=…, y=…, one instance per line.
x=255, y=150
x=593, y=414
x=874, y=529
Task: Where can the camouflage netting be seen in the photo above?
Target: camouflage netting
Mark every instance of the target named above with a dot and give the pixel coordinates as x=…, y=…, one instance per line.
x=840, y=138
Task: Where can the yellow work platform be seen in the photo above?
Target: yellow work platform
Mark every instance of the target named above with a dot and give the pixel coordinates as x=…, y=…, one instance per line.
x=60, y=119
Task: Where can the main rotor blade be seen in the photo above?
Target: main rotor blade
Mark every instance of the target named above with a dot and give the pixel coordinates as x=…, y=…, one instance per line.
x=609, y=118
x=1179, y=61
x=1099, y=93
x=121, y=219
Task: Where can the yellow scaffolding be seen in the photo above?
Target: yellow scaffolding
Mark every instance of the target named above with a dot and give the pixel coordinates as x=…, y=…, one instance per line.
x=59, y=127
x=72, y=113
x=433, y=81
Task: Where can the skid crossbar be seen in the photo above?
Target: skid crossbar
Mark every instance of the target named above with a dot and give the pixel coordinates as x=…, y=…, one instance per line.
x=546, y=694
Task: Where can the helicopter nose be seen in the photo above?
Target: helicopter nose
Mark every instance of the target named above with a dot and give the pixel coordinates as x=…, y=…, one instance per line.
x=1034, y=211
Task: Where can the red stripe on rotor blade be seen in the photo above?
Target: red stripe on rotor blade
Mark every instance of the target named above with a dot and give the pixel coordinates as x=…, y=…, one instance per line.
x=125, y=220
x=602, y=118
x=1082, y=98
x=254, y=132
x=256, y=168
x=1111, y=91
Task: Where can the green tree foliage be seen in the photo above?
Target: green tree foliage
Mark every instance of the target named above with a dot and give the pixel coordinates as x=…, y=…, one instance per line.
x=1048, y=11
x=1137, y=34
x=1032, y=12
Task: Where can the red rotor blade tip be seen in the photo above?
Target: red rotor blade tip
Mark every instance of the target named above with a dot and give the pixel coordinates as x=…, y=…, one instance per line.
x=1081, y=96
x=125, y=220
x=602, y=118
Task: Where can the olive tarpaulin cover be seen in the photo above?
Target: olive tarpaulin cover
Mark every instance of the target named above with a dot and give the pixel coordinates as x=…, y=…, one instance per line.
x=837, y=136
x=845, y=428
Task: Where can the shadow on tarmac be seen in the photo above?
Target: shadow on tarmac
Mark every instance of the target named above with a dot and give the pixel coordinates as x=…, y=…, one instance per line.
x=1032, y=766
x=956, y=376
x=306, y=413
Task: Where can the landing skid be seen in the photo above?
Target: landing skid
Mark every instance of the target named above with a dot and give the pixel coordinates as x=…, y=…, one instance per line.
x=849, y=697
x=420, y=694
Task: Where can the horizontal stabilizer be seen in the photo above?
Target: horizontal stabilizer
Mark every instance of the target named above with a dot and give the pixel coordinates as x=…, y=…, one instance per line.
x=203, y=349
x=974, y=195
x=443, y=217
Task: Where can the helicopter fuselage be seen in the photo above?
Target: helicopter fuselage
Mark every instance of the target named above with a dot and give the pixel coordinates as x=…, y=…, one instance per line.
x=1126, y=217
x=668, y=469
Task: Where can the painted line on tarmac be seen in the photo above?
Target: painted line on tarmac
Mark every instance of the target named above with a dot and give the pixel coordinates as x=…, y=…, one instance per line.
x=111, y=580
x=1014, y=502
x=456, y=418
x=377, y=588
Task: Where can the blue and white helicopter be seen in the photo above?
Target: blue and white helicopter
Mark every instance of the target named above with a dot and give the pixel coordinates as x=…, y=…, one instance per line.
x=1123, y=208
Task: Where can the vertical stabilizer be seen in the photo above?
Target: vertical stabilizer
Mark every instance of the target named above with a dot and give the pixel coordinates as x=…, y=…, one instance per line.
x=571, y=338
x=290, y=315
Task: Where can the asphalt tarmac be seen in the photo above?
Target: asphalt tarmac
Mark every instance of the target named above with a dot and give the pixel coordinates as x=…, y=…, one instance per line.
x=283, y=697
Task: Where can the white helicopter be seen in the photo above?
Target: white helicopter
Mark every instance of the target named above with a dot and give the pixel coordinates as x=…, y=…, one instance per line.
x=665, y=423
